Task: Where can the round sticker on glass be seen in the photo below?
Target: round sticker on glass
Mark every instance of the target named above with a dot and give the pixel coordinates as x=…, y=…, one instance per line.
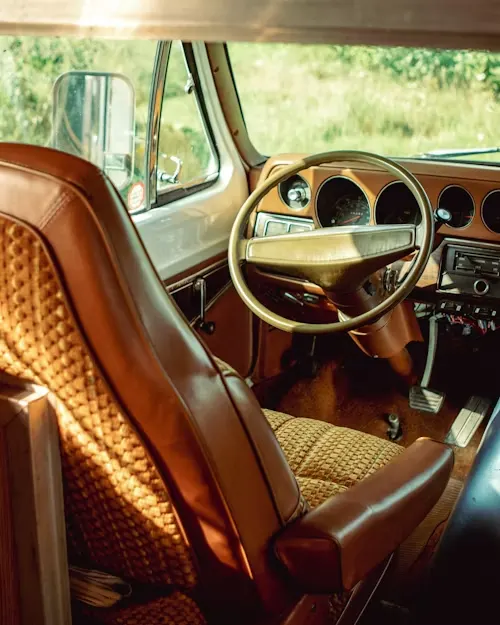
x=136, y=196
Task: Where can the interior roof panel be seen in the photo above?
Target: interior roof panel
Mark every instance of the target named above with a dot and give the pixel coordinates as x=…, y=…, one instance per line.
x=446, y=23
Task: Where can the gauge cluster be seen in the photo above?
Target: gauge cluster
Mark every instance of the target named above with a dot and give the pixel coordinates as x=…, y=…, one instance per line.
x=341, y=202
x=355, y=196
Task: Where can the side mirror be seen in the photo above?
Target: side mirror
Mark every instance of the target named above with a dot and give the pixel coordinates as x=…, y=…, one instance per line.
x=94, y=117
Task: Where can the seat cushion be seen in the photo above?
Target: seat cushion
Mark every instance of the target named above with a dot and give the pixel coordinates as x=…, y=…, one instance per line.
x=177, y=609
x=327, y=459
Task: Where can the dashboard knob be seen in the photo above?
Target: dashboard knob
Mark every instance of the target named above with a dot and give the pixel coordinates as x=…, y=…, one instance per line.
x=297, y=194
x=443, y=216
x=481, y=287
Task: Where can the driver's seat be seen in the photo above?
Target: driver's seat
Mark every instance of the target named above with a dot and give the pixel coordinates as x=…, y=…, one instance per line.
x=173, y=477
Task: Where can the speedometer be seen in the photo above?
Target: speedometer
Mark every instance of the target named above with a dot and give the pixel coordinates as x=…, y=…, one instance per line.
x=350, y=210
x=341, y=202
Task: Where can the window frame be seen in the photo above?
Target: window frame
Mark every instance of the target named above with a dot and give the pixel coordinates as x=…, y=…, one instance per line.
x=160, y=198
x=229, y=98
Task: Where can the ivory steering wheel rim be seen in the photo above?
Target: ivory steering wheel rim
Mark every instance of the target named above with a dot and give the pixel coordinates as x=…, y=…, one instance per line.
x=239, y=244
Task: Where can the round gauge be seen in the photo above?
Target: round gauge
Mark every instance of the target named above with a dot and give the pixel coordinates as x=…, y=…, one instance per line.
x=396, y=204
x=490, y=211
x=459, y=203
x=295, y=192
x=341, y=202
x=350, y=210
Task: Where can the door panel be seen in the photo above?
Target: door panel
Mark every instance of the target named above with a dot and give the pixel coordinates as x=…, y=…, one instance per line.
x=232, y=338
x=187, y=237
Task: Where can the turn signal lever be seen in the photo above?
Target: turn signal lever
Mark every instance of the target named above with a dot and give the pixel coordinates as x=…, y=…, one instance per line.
x=200, y=286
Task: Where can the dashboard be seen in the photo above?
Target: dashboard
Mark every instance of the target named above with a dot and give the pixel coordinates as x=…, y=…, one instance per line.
x=346, y=194
x=467, y=251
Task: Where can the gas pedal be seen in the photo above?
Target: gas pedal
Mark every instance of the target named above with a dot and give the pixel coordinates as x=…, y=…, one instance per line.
x=426, y=399
x=469, y=419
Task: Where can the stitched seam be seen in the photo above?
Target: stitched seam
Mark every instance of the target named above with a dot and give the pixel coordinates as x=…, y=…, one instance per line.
x=322, y=481
x=280, y=428
x=79, y=184
x=61, y=202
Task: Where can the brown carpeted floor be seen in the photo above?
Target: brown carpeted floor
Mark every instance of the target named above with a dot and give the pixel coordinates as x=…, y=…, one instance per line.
x=353, y=390
x=334, y=395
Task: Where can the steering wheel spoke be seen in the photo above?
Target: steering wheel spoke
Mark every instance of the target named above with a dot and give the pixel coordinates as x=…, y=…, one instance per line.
x=337, y=259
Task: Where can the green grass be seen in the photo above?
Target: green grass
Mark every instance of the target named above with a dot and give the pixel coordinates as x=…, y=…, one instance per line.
x=295, y=98
x=311, y=99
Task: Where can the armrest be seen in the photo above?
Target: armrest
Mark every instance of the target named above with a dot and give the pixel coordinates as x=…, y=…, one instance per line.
x=337, y=544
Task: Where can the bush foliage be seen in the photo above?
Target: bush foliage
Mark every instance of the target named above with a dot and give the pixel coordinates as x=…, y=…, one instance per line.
x=294, y=97
x=396, y=101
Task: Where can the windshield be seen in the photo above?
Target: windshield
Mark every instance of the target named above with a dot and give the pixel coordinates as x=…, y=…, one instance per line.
x=393, y=101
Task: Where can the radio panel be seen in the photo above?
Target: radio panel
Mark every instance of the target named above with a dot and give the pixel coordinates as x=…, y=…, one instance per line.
x=470, y=271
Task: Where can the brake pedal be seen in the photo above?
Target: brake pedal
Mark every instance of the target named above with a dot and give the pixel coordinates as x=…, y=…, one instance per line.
x=422, y=397
x=426, y=399
x=469, y=419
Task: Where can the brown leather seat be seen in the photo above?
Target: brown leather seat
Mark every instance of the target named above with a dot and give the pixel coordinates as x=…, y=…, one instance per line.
x=173, y=478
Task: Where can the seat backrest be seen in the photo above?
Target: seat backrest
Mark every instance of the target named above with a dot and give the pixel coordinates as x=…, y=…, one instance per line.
x=172, y=475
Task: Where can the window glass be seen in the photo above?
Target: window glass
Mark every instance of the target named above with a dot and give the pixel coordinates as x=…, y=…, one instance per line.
x=29, y=69
x=185, y=152
x=394, y=101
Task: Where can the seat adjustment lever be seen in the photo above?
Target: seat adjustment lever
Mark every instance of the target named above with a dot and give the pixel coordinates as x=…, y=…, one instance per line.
x=200, y=286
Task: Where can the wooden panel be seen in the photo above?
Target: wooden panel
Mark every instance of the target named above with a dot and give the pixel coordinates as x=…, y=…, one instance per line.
x=36, y=498
x=447, y=23
x=9, y=597
x=477, y=179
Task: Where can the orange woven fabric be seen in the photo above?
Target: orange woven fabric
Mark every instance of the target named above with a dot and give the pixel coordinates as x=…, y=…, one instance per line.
x=119, y=515
x=327, y=459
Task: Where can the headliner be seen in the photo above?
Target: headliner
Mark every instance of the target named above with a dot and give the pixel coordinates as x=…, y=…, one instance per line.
x=435, y=23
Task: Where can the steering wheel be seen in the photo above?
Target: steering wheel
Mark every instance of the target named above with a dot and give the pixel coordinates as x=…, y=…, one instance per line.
x=338, y=259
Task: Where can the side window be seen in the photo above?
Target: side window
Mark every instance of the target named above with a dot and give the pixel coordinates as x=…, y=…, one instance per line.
x=89, y=97
x=186, y=154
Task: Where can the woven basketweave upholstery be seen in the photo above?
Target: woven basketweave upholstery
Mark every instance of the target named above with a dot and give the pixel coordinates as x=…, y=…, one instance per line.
x=177, y=609
x=118, y=512
x=327, y=459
